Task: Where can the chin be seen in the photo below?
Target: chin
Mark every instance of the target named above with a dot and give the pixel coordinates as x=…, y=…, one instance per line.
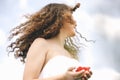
x=72, y=35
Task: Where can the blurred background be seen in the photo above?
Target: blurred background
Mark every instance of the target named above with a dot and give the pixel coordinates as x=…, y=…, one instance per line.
x=97, y=20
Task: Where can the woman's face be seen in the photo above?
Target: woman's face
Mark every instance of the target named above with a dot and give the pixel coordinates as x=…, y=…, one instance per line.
x=69, y=24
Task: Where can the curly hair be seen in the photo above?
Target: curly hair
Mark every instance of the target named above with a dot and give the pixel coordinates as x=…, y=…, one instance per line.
x=46, y=24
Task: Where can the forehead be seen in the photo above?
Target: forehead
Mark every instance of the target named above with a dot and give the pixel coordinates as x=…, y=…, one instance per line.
x=68, y=14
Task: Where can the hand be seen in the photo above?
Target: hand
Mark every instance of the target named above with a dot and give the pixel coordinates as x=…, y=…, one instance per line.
x=87, y=73
x=72, y=75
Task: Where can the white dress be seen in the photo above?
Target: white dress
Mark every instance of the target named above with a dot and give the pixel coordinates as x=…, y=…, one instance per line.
x=58, y=65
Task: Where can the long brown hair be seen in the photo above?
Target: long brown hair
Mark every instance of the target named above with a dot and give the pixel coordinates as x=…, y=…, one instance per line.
x=45, y=23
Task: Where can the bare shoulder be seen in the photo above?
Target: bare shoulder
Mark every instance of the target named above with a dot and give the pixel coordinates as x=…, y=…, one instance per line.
x=39, y=45
x=40, y=41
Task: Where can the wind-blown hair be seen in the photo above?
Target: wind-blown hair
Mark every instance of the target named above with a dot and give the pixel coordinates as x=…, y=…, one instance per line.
x=46, y=24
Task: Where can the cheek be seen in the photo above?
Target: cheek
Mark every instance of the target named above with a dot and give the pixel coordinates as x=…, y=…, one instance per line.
x=71, y=31
x=71, y=28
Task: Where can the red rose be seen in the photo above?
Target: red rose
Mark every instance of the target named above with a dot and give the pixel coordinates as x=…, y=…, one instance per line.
x=82, y=68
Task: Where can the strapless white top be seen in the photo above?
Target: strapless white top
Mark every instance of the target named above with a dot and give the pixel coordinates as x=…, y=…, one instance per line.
x=58, y=65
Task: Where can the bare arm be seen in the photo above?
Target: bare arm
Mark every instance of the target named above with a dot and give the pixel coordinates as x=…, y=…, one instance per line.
x=35, y=60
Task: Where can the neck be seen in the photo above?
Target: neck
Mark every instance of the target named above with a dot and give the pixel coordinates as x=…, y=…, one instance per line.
x=59, y=39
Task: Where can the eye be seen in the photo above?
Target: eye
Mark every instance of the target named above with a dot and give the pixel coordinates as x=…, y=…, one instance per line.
x=70, y=20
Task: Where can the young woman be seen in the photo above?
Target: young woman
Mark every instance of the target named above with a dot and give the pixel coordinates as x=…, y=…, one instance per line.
x=44, y=44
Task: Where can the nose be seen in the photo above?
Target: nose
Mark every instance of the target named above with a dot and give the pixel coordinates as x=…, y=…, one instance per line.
x=75, y=24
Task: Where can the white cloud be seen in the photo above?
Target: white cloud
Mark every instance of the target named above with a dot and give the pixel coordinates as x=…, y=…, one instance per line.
x=11, y=69
x=2, y=37
x=105, y=74
x=107, y=25
x=70, y=2
x=23, y=4
x=101, y=24
x=104, y=24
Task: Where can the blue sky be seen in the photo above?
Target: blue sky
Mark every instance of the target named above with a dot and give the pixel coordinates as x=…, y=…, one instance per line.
x=97, y=20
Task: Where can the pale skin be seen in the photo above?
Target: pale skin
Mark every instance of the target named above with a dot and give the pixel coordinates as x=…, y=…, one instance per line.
x=42, y=50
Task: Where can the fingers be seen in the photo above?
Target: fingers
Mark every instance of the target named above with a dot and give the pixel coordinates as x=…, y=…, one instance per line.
x=83, y=78
x=83, y=74
x=91, y=72
x=79, y=75
x=87, y=75
x=76, y=75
